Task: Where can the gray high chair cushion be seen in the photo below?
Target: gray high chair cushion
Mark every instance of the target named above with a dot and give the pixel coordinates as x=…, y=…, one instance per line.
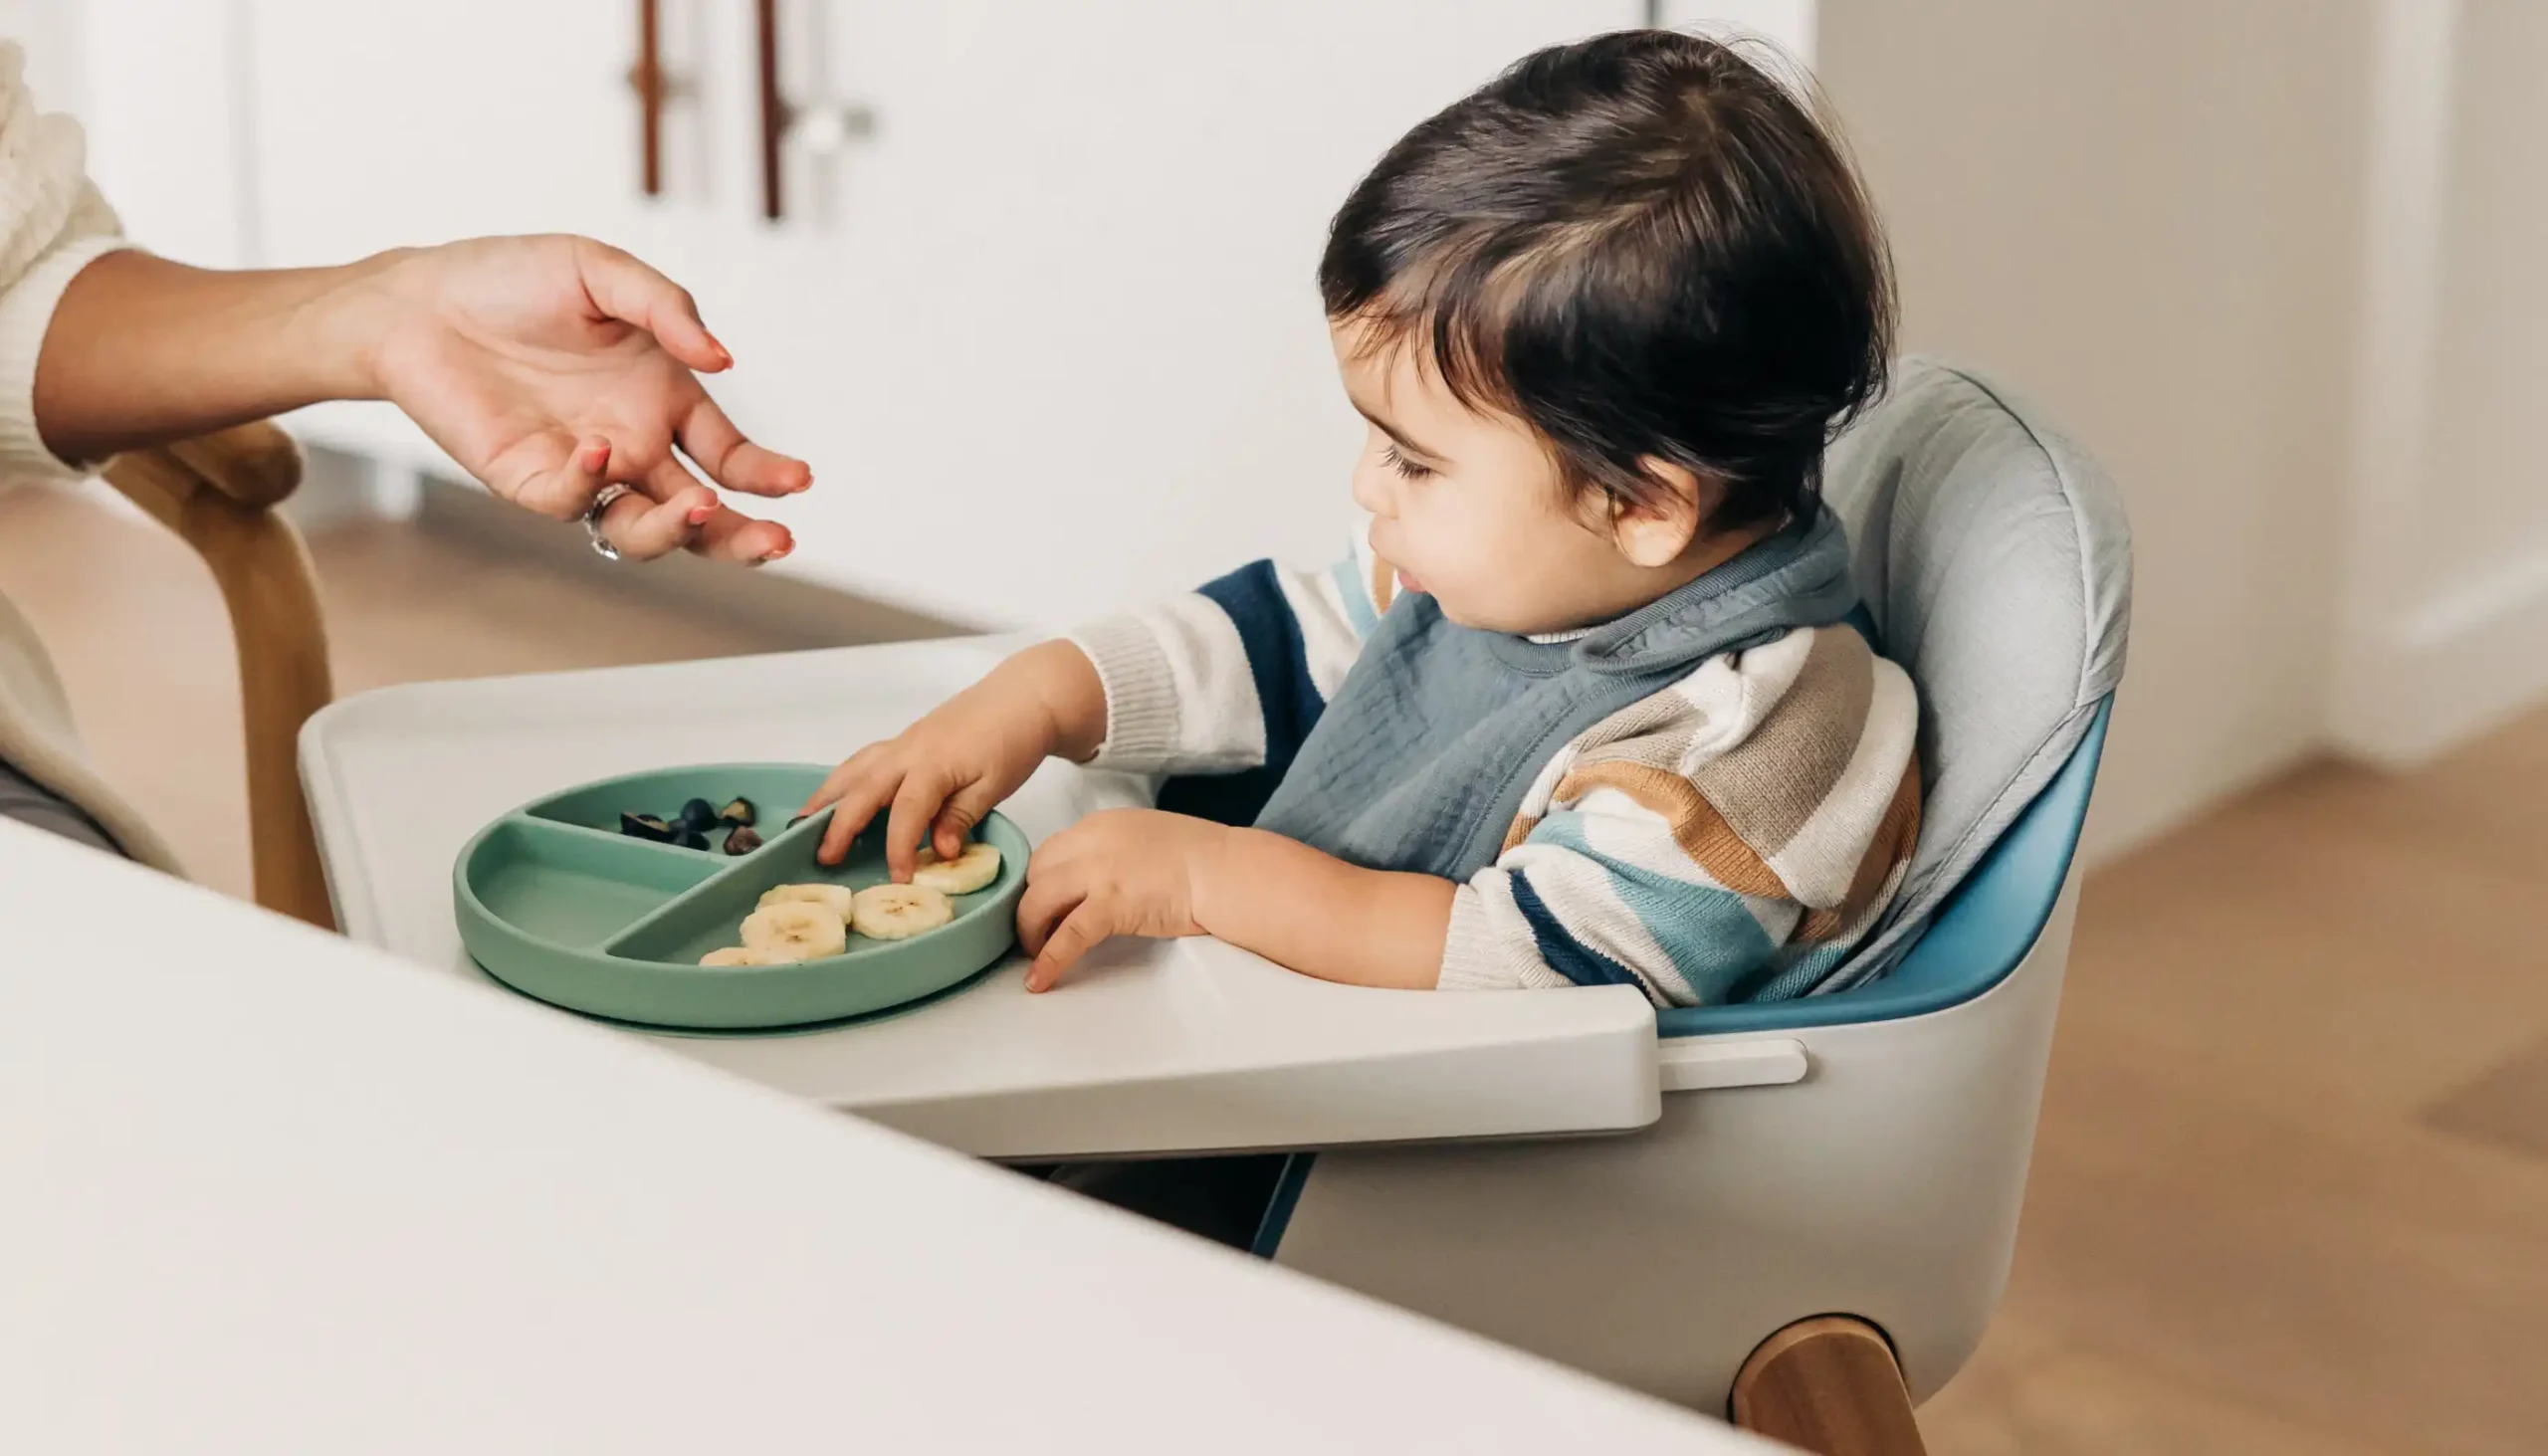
x=1993, y=555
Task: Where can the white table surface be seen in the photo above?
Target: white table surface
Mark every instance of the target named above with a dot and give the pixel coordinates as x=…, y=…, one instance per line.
x=1150, y=1047
x=265, y=1190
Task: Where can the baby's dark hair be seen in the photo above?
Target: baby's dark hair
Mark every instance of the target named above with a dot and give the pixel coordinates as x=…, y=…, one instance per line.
x=1643, y=246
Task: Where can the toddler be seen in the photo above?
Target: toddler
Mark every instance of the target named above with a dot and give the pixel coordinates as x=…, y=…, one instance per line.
x=1584, y=707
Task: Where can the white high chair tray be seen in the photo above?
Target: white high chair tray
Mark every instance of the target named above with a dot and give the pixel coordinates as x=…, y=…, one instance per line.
x=1150, y=1047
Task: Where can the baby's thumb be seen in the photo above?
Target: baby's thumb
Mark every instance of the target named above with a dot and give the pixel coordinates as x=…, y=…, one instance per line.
x=956, y=820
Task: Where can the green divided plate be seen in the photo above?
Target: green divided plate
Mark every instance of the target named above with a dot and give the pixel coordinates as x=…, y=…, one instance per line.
x=555, y=902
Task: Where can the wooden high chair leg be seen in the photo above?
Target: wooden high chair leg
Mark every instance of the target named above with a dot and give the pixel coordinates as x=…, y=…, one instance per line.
x=1829, y=1385
x=218, y=492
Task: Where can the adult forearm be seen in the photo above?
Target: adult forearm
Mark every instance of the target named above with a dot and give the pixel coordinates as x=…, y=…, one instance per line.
x=142, y=350
x=1322, y=916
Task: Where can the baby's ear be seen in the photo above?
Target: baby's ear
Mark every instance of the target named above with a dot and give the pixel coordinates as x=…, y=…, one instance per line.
x=1656, y=532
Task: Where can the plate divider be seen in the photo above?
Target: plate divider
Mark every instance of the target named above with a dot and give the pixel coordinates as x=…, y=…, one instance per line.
x=811, y=827
x=708, y=859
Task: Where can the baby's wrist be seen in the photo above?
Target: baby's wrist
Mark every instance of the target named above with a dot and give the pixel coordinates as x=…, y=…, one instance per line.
x=1069, y=696
x=1208, y=874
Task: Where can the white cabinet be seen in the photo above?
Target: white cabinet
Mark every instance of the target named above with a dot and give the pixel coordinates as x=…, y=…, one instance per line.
x=1049, y=332
x=1054, y=342
x=376, y=125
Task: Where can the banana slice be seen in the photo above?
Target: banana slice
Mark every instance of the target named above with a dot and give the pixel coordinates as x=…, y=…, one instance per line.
x=976, y=867
x=794, y=929
x=731, y=956
x=900, y=911
x=838, y=899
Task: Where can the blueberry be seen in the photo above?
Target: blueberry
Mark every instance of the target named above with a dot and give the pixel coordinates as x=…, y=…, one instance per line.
x=689, y=838
x=644, y=826
x=740, y=812
x=699, y=814
x=744, y=840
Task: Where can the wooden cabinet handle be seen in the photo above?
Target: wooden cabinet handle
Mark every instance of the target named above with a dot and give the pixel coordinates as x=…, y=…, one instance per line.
x=647, y=77
x=773, y=111
x=823, y=126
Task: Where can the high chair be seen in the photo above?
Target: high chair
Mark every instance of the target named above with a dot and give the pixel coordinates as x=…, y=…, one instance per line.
x=1816, y=1231
x=1804, y=1210
x=218, y=492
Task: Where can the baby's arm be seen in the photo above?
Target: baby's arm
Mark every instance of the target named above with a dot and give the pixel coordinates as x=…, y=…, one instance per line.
x=1310, y=910
x=1230, y=677
x=1730, y=840
x=1217, y=680
x=1142, y=871
x=945, y=773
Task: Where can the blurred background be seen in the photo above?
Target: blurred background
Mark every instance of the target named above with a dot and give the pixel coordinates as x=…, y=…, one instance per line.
x=1029, y=284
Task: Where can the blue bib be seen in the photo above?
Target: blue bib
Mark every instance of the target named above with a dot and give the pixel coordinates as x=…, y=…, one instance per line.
x=1421, y=759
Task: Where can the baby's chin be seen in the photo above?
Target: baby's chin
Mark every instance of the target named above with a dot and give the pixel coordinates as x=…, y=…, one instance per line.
x=1458, y=615
x=1460, y=612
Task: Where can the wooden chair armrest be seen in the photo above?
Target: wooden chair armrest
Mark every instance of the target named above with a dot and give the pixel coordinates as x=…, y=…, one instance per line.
x=217, y=492
x=254, y=464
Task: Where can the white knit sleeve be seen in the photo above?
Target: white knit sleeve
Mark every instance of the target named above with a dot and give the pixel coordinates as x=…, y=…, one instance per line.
x=1232, y=677
x=52, y=224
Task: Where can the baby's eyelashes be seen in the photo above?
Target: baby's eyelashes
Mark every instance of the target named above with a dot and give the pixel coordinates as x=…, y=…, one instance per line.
x=1408, y=469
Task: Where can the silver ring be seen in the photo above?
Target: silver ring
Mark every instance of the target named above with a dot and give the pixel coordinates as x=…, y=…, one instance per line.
x=592, y=521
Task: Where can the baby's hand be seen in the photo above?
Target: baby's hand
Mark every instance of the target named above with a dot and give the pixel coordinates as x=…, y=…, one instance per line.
x=1120, y=872
x=945, y=773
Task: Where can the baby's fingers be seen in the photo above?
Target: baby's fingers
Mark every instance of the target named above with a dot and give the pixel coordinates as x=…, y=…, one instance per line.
x=916, y=806
x=1079, y=933
x=835, y=784
x=856, y=790
x=1040, y=909
x=956, y=819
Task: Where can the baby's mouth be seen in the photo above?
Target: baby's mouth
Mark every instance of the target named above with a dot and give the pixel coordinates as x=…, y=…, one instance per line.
x=1406, y=579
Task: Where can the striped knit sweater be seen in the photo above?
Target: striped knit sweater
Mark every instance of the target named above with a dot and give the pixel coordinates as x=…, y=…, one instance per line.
x=1730, y=838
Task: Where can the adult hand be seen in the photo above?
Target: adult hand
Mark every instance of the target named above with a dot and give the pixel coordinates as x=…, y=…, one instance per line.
x=550, y=367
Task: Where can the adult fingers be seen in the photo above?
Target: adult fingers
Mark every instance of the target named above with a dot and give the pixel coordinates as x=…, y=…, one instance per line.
x=731, y=536
x=624, y=289
x=642, y=528
x=709, y=437
x=553, y=475
x=1077, y=934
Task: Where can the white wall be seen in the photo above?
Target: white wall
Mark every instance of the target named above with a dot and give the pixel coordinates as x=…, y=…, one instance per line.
x=1789, y=24
x=2278, y=265
x=2445, y=619
x=163, y=142
x=2143, y=213
x=49, y=32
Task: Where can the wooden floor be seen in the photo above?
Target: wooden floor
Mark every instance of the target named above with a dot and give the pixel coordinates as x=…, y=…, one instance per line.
x=2290, y=1192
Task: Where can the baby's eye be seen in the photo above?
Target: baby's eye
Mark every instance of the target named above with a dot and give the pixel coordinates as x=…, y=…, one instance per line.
x=1406, y=468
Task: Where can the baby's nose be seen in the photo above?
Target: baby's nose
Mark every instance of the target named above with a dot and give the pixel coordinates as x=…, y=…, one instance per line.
x=1369, y=492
